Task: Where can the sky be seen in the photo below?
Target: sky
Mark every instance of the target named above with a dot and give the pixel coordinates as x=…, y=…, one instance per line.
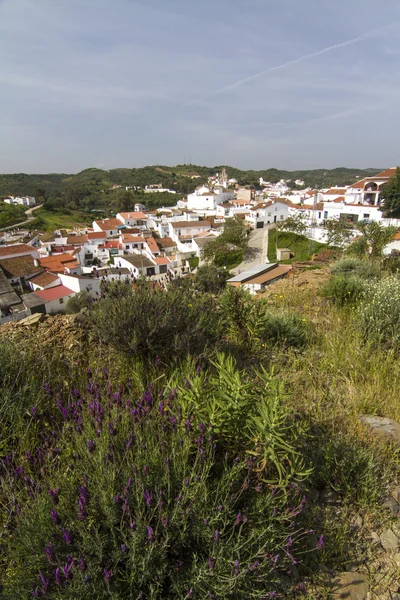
x=291, y=84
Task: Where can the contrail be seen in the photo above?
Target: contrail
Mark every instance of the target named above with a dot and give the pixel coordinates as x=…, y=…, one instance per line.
x=356, y=40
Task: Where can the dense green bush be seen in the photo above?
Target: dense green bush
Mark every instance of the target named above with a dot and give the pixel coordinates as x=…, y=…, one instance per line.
x=156, y=493
x=364, y=268
x=150, y=322
x=77, y=302
x=379, y=312
x=251, y=323
x=344, y=290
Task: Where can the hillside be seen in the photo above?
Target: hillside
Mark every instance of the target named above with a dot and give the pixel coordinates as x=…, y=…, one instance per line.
x=177, y=178
x=167, y=451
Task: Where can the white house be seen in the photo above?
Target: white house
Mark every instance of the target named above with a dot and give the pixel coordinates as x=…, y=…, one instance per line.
x=368, y=190
x=133, y=219
x=185, y=230
x=18, y=250
x=111, y=227
x=55, y=298
x=80, y=283
x=207, y=199
x=21, y=200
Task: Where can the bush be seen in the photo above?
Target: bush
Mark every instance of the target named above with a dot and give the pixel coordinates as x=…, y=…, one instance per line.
x=149, y=322
x=364, y=268
x=76, y=303
x=379, y=312
x=287, y=329
x=143, y=495
x=344, y=290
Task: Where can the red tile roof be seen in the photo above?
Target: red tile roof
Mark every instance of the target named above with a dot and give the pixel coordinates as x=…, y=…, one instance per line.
x=135, y=239
x=190, y=224
x=77, y=240
x=162, y=260
x=16, y=249
x=44, y=279
x=109, y=224
x=96, y=235
x=54, y=293
x=152, y=244
x=133, y=215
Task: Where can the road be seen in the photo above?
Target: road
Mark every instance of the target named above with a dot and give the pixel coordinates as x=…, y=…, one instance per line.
x=28, y=213
x=257, y=252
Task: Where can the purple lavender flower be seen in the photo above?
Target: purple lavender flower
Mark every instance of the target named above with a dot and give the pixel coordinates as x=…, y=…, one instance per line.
x=129, y=442
x=188, y=425
x=66, y=533
x=57, y=576
x=238, y=518
x=254, y=565
x=198, y=370
x=259, y=487
x=216, y=536
x=49, y=552
x=156, y=361
x=81, y=563
x=149, y=533
x=67, y=570
x=45, y=582
x=107, y=575
x=220, y=508
x=126, y=488
x=132, y=525
x=211, y=563
x=124, y=548
x=320, y=543
x=91, y=445
x=54, y=494
x=164, y=521
x=186, y=481
x=236, y=568
x=202, y=428
x=34, y=411
x=148, y=496
x=54, y=516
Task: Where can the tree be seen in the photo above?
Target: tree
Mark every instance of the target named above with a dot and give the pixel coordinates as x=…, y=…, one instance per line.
x=229, y=246
x=339, y=231
x=210, y=279
x=390, y=193
x=296, y=224
x=374, y=238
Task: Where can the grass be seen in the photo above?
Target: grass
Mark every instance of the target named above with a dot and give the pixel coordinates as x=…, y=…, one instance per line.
x=59, y=219
x=301, y=247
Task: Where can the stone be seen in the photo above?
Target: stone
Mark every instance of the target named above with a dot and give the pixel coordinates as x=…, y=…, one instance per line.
x=392, y=506
x=329, y=496
x=395, y=494
x=358, y=521
x=375, y=539
x=350, y=586
x=386, y=429
x=390, y=541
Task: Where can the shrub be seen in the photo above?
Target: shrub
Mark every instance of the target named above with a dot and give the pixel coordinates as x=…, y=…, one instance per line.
x=76, y=303
x=287, y=329
x=134, y=495
x=150, y=322
x=344, y=290
x=379, y=312
x=365, y=268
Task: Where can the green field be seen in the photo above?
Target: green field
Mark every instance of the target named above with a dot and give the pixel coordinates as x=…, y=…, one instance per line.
x=51, y=220
x=301, y=247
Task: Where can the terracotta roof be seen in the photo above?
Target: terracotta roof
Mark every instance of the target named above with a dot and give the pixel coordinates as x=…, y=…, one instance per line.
x=190, y=224
x=60, y=258
x=20, y=266
x=335, y=191
x=77, y=240
x=16, y=249
x=109, y=224
x=96, y=235
x=133, y=215
x=396, y=236
x=152, y=244
x=339, y=199
x=110, y=245
x=44, y=279
x=166, y=243
x=279, y=271
x=127, y=238
x=387, y=173
x=162, y=260
x=54, y=293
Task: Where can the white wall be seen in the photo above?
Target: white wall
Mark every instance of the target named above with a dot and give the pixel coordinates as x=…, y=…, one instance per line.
x=55, y=306
x=76, y=284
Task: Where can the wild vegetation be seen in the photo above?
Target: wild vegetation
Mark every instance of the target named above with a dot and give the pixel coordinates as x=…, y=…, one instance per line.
x=185, y=447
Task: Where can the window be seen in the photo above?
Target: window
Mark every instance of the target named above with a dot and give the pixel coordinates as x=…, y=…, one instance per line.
x=269, y=214
x=281, y=217
x=319, y=215
x=366, y=216
x=61, y=300
x=276, y=208
x=325, y=214
x=127, y=246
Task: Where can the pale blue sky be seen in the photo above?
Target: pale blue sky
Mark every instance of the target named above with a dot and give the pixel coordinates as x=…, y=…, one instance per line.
x=252, y=83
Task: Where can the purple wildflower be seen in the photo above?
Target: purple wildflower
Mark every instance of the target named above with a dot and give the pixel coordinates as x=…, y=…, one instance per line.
x=320, y=543
x=126, y=488
x=107, y=575
x=129, y=442
x=198, y=370
x=54, y=494
x=34, y=411
x=148, y=496
x=220, y=508
x=188, y=425
x=149, y=533
x=81, y=563
x=186, y=481
x=156, y=361
x=35, y=592
x=124, y=548
x=259, y=487
x=91, y=445
x=132, y=525
x=216, y=536
x=236, y=568
x=54, y=516
x=57, y=573
x=45, y=582
x=67, y=570
x=211, y=563
x=164, y=521
x=66, y=536
x=254, y=565
x=238, y=518
x=49, y=552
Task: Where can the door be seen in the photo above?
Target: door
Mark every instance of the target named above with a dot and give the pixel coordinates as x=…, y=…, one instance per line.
x=275, y=219
x=260, y=224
